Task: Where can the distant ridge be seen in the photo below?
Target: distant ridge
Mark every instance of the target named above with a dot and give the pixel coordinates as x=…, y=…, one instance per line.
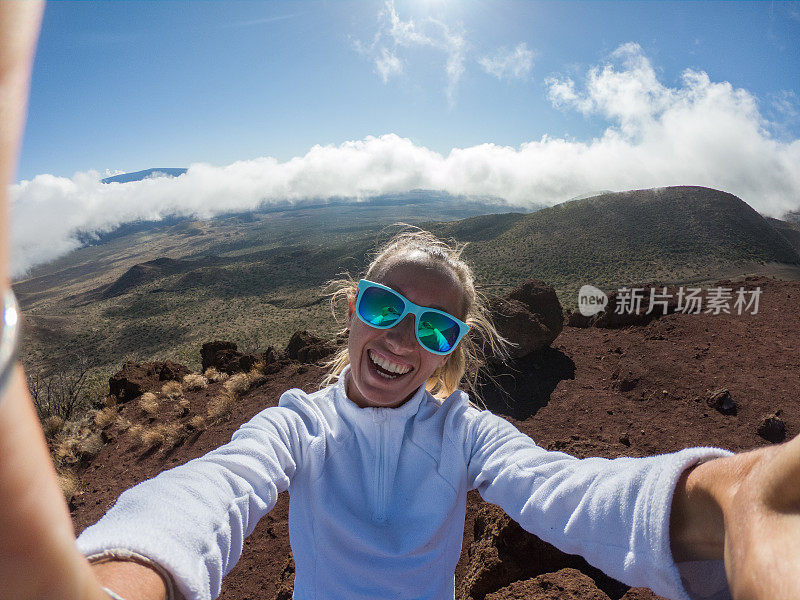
x=590, y=195
x=146, y=174
x=666, y=234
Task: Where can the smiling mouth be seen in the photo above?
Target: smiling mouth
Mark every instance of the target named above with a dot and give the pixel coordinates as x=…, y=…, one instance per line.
x=386, y=368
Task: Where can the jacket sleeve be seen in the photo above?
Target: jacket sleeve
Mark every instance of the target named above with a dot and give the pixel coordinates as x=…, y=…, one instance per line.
x=192, y=520
x=614, y=513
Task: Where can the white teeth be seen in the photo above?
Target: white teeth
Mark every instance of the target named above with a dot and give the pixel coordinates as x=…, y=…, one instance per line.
x=385, y=364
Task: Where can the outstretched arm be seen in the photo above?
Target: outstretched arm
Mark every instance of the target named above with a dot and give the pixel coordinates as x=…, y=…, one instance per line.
x=38, y=558
x=746, y=509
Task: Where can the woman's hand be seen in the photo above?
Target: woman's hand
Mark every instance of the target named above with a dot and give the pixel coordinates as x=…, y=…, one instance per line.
x=746, y=509
x=762, y=525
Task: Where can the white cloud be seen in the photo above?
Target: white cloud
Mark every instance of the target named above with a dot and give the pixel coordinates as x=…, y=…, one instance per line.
x=697, y=133
x=395, y=35
x=509, y=63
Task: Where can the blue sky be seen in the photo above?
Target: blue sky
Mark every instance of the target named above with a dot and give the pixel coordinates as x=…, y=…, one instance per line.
x=280, y=102
x=131, y=85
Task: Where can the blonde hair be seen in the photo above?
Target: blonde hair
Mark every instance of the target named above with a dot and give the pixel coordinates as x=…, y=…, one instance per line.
x=483, y=339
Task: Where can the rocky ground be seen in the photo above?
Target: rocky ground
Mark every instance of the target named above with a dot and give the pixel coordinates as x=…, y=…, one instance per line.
x=595, y=391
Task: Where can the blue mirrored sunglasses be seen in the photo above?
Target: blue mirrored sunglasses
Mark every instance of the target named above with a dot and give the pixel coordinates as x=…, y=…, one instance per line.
x=381, y=307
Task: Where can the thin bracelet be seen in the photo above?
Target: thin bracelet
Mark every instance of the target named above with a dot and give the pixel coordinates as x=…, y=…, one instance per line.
x=9, y=337
x=124, y=554
x=112, y=594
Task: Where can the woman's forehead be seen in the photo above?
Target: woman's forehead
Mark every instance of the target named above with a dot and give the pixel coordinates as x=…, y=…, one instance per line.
x=424, y=282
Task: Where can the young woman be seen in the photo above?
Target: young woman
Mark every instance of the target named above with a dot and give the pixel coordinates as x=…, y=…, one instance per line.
x=378, y=464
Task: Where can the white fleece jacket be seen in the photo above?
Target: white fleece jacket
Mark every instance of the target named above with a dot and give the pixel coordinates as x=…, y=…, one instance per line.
x=378, y=498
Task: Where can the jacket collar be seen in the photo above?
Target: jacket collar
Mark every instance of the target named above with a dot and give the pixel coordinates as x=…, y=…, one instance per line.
x=353, y=411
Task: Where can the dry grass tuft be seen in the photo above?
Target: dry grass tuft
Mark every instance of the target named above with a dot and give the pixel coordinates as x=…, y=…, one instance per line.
x=135, y=431
x=122, y=423
x=197, y=423
x=238, y=384
x=221, y=405
x=153, y=437
x=76, y=443
x=149, y=403
x=174, y=432
x=52, y=426
x=184, y=405
x=256, y=377
x=69, y=484
x=89, y=446
x=106, y=417
x=213, y=375
x=64, y=452
x=194, y=382
x=172, y=390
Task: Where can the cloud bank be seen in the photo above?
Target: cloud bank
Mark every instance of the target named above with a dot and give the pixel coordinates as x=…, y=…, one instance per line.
x=697, y=133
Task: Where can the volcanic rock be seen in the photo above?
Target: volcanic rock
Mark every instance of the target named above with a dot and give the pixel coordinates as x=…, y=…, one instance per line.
x=530, y=317
x=772, y=428
x=721, y=400
x=135, y=379
x=621, y=311
x=308, y=347
x=566, y=584
x=210, y=349
x=576, y=319
x=502, y=553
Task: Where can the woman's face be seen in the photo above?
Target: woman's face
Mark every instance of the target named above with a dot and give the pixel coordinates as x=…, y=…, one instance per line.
x=397, y=348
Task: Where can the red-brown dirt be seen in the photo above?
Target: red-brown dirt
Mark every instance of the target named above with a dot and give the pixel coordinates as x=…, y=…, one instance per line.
x=631, y=391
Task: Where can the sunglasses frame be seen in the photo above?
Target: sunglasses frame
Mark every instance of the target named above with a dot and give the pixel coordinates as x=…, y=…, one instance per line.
x=409, y=308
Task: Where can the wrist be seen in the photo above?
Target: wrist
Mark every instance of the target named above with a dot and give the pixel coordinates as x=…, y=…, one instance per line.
x=697, y=528
x=132, y=576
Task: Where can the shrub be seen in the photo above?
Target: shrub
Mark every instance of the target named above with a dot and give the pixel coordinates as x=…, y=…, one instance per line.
x=220, y=405
x=105, y=417
x=173, y=433
x=238, y=384
x=194, y=382
x=184, y=405
x=216, y=376
x=122, y=423
x=136, y=431
x=52, y=426
x=89, y=446
x=256, y=377
x=149, y=403
x=172, y=390
x=68, y=482
x=152, y=437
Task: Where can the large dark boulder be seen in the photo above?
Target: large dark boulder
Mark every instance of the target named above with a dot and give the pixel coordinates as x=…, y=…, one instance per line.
x=624, y=309
x=134, y=379
x=210, y=349
x=308, y=347
x=530, y=316
x=502, y=553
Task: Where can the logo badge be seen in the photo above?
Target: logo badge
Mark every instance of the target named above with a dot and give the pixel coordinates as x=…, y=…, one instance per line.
x=591, y=300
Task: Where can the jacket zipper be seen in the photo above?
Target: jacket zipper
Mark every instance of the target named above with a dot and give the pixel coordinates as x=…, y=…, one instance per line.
x=380, y=513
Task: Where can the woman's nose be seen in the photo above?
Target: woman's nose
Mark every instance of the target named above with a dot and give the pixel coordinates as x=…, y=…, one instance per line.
x=401, y=336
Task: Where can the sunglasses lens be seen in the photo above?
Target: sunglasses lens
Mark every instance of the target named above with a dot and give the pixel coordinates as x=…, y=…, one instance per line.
x=437, y=332
x=379, y=307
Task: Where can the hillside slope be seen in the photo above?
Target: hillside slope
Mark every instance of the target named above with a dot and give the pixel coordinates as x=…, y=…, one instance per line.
x=668, y=235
